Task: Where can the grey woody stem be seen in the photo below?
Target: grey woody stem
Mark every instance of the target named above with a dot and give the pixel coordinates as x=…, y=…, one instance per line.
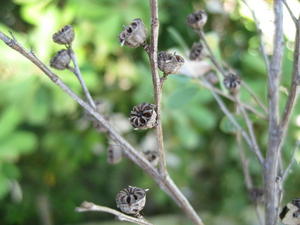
x=156, y=84
x=272, y=190
x=90, y=207
x=166, y=183
x=77, y=73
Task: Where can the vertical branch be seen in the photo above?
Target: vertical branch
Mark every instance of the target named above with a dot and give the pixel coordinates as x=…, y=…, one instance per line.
x=292, y=98
x=273, y=153
x=156, y=83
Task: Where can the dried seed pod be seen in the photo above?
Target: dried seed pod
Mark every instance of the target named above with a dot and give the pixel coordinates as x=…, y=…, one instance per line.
x=232, y=82
x=143, y=116
x=152, y=157
x=197, y=19
x=290, y=214
x=61, y=60
x=131, y=200
x=65, y=36
x=197, y=52
x=114, y=153
x=169, y=63
x=133, y=35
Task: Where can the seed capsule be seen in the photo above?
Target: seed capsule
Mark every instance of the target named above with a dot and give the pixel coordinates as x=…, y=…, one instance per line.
x=143, y=116
x=232, y=82
x=152, y=157
x=197, y=20
x=290, y=214
x=169, y=63
x=133, y=35
x=64, y=36
x=131, y=200
x=61, y=60
x=197, y=52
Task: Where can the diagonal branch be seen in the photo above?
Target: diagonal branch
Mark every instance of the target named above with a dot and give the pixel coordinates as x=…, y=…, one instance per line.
x=294, y=18
x=259, y=31
x=220, y=92
x=77, y=73
x=89, y=206
x=237, y=125
x=220, y=68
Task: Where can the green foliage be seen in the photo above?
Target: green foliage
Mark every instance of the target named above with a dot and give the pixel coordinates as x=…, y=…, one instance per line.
x=47, y=147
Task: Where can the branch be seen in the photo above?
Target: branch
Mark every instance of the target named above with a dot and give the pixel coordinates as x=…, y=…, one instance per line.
x=220, y=92
x=272, y=189
x=292, y=98
x=89, y=206
x=219, y=67
x=236, y=124
x=77, y=73
x=259, y=31
x=245, y=85
x=156, y=84
x=166, y=183
x=293, y=160
x=247, y=175
x=291, y=13
x=250, y=130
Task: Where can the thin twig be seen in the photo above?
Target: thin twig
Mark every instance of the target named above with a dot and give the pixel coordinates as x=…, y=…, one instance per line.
x=250, y=129
x=247, y=176
x=220, y=68
x=156, y=84
x=260, y=34
x=77, y=73
x=166, y=183
x=89, y=206
x=294, y=18
x=258, y=101
x=292, y=161
x=236, y=124
x=293, y=95
x=272, y=190
x=220, y=92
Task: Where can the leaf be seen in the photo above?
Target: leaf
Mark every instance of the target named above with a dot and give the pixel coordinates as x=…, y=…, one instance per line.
x=181, y=97
x=204, y=118
x=227, y=126
x=16, y=144
x=178, y=38
x=4, y=185
x=9, y=120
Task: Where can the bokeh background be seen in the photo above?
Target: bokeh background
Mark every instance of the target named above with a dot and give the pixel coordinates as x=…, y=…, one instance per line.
x=51, y=158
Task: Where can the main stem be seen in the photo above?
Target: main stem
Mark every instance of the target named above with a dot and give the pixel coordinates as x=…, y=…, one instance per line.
x=275, y=133
x=156, y=84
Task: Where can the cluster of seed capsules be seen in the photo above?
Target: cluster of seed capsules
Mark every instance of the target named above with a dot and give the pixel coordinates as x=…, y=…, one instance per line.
x=62, y=58
x=197, y=21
